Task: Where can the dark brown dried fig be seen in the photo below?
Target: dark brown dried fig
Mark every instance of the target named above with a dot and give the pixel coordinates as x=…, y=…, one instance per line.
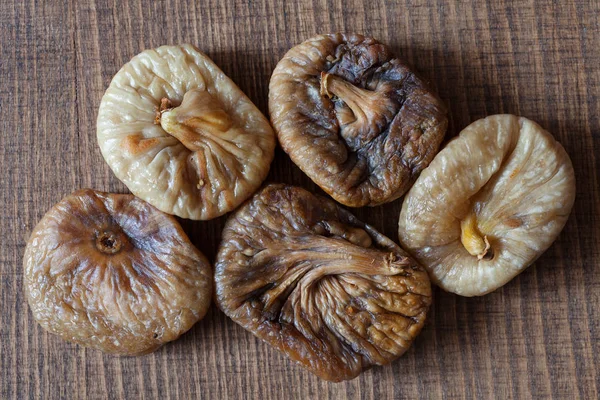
x=327, y=290
x=110, y=271
x=354, y=118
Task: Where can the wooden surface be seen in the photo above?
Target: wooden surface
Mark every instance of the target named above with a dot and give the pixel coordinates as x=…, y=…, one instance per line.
x=539, y=336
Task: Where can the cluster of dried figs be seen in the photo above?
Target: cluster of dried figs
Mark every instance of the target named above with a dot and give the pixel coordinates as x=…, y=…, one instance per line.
x=117, y=273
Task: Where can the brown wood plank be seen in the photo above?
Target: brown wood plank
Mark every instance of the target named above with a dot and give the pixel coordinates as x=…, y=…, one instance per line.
x=537, y=337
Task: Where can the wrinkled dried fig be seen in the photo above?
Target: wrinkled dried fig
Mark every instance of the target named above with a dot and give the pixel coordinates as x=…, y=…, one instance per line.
x=327, y=290
x=489, y=204
x=354, y=118
x=111, y=272
x=181, y=135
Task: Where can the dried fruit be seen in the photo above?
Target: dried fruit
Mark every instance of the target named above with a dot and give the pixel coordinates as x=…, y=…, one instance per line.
x=327, y=290
x=110, y=271
x=181, y=135
x=355, y=119
x=489, y=204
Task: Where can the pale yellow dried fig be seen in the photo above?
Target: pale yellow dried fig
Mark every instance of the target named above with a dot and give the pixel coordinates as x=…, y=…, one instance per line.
x=181, y=135
x=489, y=204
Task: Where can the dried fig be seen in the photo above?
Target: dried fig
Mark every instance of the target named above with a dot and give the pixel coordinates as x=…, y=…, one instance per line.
x=354, y=118
x=489, y=204
x=110, y=271
x=181, y=135
x=327, y=290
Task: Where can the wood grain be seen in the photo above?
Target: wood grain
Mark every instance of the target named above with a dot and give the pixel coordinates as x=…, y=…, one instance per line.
x=537, y=337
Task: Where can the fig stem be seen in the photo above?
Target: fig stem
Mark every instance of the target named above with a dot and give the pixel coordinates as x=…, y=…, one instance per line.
x=337, y=255
x=371, y=110
x=359, y=100
x=201, y=123
x=474, y=242
x=200, y=116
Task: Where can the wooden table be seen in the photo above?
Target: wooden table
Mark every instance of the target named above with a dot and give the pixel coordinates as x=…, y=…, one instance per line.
x=539, y=336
